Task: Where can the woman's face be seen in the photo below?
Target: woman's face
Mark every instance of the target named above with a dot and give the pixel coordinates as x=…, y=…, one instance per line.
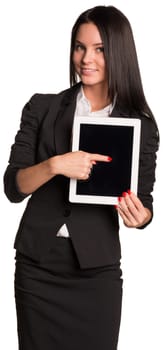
x=88, y=56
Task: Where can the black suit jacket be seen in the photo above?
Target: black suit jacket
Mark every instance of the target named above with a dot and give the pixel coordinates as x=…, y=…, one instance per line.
x=45, y=131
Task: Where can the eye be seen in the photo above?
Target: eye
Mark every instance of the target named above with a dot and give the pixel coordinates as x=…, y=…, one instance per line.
x=78, y=47
x=100, y=49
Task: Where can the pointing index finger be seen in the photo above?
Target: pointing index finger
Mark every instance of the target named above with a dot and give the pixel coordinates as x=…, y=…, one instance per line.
x=100, y=158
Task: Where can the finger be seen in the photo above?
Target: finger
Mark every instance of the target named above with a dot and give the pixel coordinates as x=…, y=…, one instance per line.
x=128, y=207
x=128, y=221
x=138, y=204
x=128, y=212
x=128, y=204
x=131, y=209
x=135, y=206
x=84, y=176
x=100, y=158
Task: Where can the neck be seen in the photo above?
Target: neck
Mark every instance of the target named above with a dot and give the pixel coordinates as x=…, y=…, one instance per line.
x=97, y=96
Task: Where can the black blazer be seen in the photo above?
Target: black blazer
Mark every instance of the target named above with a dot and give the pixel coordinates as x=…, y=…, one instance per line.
x=45, y=131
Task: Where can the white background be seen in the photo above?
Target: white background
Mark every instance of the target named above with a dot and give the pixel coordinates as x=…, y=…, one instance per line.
x=34, y=46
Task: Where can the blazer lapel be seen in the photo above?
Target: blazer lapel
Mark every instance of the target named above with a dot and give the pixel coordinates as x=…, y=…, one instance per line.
x=118, y=113
x=64, y=121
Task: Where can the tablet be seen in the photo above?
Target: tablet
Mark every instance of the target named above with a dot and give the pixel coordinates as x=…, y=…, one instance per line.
x=118, y=138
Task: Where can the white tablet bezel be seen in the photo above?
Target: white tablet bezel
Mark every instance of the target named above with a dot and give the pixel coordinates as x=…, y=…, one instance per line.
x=136, y=124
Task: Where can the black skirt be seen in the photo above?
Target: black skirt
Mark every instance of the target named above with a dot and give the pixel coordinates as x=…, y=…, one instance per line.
x=61, y=307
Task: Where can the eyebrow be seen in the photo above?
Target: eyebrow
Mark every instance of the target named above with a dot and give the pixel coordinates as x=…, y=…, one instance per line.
x=96, y=44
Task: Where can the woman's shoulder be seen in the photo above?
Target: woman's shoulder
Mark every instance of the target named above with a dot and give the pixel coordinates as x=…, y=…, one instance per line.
x=149, y=131
x=39, y=104
x=45, y=99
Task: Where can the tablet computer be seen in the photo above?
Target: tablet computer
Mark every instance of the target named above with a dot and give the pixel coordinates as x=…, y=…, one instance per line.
x=118, y=138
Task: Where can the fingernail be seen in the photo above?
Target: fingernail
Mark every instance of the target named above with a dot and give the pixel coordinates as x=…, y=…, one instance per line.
x=124, y=194
x=129, y=191
x=119, y=199
x=115, y=206
x=110, y=159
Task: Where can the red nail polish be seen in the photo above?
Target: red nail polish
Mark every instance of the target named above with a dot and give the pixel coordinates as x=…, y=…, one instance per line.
x=119, y=199
x=110, y=159
x=128, y=191
x=115, y=206
x=124, y=194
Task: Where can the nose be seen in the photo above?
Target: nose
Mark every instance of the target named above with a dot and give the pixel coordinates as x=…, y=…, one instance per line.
x=87, y=56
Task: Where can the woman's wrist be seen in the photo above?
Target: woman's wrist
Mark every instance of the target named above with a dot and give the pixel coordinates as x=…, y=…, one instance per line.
x=53, y=165
x=147, y=218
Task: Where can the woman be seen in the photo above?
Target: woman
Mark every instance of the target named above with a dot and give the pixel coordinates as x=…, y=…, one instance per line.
x=68, y=284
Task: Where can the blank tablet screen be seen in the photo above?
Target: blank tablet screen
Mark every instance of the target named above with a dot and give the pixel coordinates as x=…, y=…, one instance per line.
x=107, y=179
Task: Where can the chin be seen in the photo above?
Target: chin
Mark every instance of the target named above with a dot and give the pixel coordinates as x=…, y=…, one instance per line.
x=89, y=82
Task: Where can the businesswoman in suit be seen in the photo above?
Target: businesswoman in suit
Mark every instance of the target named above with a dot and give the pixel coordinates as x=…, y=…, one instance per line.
x=68, y=284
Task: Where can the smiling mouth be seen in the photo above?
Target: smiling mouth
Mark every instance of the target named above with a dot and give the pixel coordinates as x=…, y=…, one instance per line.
x=88, y=70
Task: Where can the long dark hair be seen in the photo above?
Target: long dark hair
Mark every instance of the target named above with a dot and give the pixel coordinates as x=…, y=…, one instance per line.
x=124, y=79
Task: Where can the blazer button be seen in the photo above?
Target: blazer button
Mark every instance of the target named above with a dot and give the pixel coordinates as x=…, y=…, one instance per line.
x=67, y=212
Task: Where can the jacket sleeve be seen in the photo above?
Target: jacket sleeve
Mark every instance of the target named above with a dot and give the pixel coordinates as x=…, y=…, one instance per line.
x=147, y=164
x=23, y=151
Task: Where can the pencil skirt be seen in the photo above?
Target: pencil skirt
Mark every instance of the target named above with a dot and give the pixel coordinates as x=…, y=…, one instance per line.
x=61, y=307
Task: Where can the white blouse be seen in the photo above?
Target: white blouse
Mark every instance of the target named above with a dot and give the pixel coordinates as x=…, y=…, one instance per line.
x=83, y=107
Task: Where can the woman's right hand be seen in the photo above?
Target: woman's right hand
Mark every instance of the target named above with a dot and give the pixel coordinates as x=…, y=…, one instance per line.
x=76, y=165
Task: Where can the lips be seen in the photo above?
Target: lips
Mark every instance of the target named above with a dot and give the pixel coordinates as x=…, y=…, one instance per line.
x=88, y=71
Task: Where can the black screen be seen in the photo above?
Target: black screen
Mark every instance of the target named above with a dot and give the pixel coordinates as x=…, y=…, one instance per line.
x=113, y=178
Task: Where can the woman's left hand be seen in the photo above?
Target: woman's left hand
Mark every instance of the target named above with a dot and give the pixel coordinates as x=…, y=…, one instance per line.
x=132, y=211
